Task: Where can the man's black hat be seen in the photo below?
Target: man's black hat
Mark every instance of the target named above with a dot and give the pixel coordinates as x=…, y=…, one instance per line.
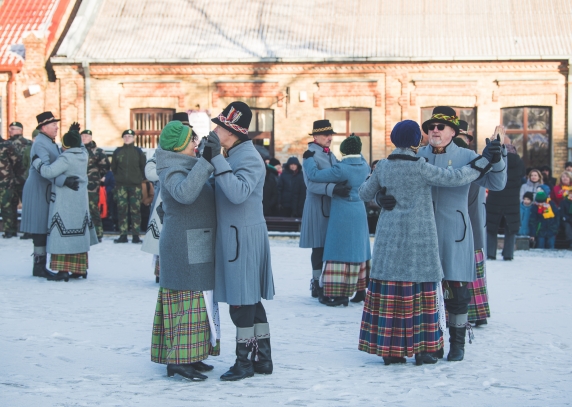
x=128, y=131
x=183, y=117
x=17, y=124
x=235, y=118
x=445, y=115
x=45, y=118
x=322, y=128
x=87, y=132
x=463, y=129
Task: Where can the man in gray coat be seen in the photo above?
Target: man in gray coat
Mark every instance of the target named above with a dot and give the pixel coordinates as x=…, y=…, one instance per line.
x=243, y=269
x=318, y=200
x=36, y=195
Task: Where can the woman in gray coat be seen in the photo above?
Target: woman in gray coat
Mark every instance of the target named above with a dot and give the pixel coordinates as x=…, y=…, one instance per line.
x=400, y=316
x=185, y=323
x=70, y=229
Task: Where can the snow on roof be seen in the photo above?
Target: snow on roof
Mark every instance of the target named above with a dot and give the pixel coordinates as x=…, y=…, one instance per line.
x=320, y=30
x=20, y=17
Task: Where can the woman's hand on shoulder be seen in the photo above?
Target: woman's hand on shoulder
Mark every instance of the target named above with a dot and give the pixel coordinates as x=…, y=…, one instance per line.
x=308, y=154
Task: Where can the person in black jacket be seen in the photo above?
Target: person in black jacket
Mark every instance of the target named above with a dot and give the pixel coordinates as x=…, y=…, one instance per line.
x=291, y=189
x=504, y=206
x=270, y=192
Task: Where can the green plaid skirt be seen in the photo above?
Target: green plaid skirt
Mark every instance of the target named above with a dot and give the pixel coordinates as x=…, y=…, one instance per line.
x=72, y=263
x=344, y=279
x=181, y=331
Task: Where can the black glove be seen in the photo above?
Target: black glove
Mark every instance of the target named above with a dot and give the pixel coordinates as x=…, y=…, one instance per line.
x=75, y=127
x=308, y=154
x=72, y=183
x=384, y=201
x=34, y=157
x=341, y=189
x=160, y=212
x=212, y=147
x=493, y=150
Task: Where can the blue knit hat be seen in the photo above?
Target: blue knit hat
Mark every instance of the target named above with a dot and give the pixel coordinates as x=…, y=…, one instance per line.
x=406, y=134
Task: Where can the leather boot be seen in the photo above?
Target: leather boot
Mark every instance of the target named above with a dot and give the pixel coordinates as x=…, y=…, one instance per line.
x=334, y=301
x=425, y=358
x=440, y=353
x=359, y=297
x=121, y=239
x=314, y=287
x=202, y=367
x=187, y=371
x=262, y=360
x=457, y=332
x=40, y=269
x=61, y=275
x=388, y=360
x=242, y=368
x=136, y=239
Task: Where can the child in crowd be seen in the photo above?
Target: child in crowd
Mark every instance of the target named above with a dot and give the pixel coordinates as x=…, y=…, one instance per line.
x=544, y=221
x=525, y=207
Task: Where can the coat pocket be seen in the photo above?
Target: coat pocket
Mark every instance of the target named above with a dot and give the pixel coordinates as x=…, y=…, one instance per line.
x=461, y=227
x=233, y=237
x=200, y=246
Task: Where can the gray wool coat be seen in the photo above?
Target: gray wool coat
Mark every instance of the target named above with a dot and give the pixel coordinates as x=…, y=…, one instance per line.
x=187, y=244
x=243, y=264
x=454, y=230
x=478, y=216
x=405, y=246
x=70, y=229
x=318, y=202
x=37, y=189
x=151, y=241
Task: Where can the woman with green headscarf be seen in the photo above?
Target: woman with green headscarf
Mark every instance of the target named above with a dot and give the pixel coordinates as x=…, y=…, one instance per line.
x=185, y=327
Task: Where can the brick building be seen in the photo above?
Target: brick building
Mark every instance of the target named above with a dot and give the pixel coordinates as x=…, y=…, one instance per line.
x=30, y=30
x=364, y=64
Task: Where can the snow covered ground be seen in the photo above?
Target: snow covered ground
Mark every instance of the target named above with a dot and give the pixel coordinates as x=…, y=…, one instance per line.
x=86, y=343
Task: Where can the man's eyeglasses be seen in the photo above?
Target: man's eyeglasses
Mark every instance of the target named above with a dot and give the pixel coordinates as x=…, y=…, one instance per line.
x=439, y=127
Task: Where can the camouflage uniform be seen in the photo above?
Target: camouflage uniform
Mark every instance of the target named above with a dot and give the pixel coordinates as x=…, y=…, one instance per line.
x=128, y=201
x=21, y=145
x=10, y=166
x=97, y=167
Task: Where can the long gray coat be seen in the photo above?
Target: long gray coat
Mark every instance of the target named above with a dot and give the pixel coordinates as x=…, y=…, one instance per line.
x=406, y=247
x=37, y=189
x=318, y=202
x=243, y=266
x=187, y=244
x=454, y=231
x=70, y=229
x=478, y=216
x=151, y=241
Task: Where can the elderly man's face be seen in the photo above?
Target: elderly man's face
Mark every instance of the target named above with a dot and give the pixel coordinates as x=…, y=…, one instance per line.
x=14, y=131
x=323, y=140
x=227, y=139
x=50, y=130
x=440, y=135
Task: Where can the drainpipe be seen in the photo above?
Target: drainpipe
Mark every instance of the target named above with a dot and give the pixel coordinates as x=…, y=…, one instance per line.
x=569, y=102
x=86, y=94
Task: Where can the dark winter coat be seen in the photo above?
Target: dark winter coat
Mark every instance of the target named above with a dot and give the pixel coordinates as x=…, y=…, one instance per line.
x=128, y=166
x=292, y=188
x=566, y=211
x=540, y=227
x=507, y=202
x=270, y=192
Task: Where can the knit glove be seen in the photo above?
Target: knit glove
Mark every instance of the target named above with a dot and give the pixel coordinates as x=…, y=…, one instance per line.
x=384, y=201
x=75, y=127
x=160, y=212
x=308, y=154
x=341, y=189
x=212, y=147
x=72, y=182
x=493, y=150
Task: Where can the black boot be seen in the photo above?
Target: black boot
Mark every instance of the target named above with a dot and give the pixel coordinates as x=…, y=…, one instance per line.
x=264, y=363
x=334, y=301
x=242, y=368
x=187, y=371
x=440, y=353
x=62, y=275
x=136, y=239
x=40, y=269
x=425, y=358
x=457, y=341
x=122, y=239
x=359, y=297
x=202, y=367
x=480, y=322
x=26, y=236
x=388, y=360
x=314, y=287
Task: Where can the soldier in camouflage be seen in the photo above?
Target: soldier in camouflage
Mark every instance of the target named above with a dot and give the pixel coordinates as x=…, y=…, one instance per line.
x=97, y=167
x=10, y=165
x=21, y=145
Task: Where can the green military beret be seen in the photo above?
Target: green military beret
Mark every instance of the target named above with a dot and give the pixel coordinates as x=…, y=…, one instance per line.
x=128, y=131
x=17, y=124
x=351, y=145
x=87, y=132
x=175, y=136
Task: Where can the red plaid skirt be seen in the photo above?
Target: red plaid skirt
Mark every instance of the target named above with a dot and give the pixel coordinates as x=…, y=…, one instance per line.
x=400, y=319
x=479, y=305
x=344, y=279
x=72, y=263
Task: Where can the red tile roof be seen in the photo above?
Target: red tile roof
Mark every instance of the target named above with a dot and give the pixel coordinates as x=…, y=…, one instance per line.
x=18, y=17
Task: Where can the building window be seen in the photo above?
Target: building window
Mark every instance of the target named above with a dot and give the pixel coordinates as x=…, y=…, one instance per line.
x=348, y=121
x=529, y=129
x=468, y=114
x=261, y=130
x=147, y=125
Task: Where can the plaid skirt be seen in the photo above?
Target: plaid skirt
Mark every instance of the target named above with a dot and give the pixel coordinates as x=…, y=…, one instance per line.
x=400, y=318
x=479, y=305
x=72, y=263
x=344, y=279
x=181, y=331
